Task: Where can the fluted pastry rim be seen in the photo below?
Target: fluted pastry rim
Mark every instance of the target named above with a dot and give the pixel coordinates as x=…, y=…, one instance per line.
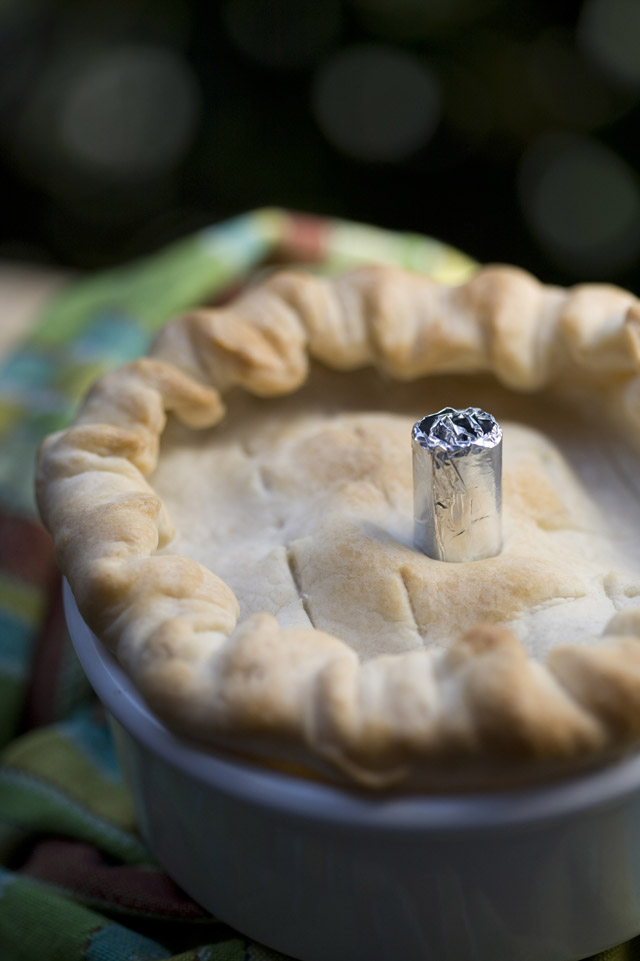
x=482, y=712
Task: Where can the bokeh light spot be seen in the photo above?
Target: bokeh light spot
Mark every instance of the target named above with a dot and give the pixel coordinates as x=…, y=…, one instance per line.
x=376, y=103
x=410, y=20
x=582, y=202
x=564, y=85
x=132, y=111
x=609, y=33
x=285, y=34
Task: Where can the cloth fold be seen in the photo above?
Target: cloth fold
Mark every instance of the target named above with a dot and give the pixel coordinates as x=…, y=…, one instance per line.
x=76, y=881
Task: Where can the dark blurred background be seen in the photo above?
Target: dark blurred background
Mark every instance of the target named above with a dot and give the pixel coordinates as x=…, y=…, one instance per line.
x=509, y=129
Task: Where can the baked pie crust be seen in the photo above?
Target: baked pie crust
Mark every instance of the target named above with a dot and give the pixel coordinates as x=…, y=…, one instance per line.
x=289, y=616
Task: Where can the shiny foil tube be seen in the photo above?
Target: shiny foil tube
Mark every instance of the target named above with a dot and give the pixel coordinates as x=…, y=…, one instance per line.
x=457, y=484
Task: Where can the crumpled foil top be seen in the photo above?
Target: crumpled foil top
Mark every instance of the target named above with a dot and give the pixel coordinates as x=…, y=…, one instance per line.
x=458, y=431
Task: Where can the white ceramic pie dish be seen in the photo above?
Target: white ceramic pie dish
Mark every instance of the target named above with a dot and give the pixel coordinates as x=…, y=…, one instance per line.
x=319, y=872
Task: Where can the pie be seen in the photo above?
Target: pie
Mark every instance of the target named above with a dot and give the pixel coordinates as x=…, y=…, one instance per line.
x=251, y=563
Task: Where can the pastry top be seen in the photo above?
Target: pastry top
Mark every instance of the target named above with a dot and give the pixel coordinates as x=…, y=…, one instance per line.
x=287, y=614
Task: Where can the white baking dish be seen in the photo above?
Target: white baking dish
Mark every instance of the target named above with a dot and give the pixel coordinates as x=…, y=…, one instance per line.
x=325, y=874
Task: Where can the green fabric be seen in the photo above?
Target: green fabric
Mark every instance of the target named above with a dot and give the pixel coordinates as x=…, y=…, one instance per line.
x=76, y=882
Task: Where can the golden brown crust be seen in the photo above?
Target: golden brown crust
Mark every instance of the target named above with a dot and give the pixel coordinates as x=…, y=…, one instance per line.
x=411, y=718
